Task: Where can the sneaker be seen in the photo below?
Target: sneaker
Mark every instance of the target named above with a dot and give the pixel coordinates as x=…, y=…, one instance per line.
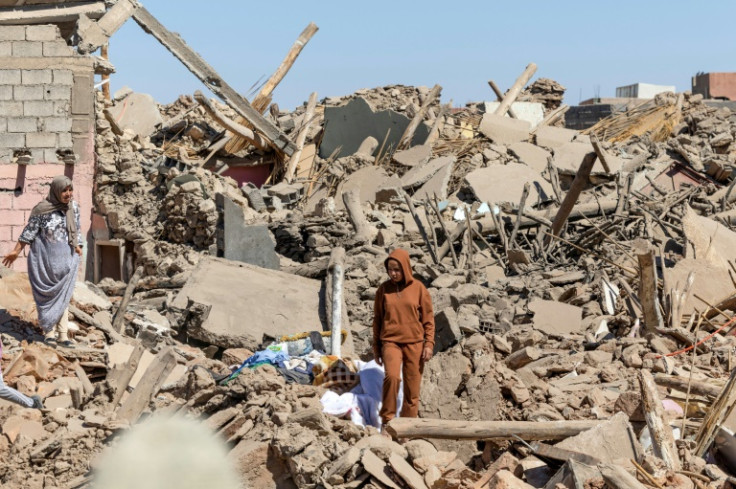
x=37, y=402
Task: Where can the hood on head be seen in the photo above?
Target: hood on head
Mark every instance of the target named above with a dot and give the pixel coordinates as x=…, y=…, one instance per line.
x=402, y=257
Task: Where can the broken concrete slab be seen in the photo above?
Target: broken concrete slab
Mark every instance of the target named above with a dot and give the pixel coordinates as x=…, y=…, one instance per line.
x=496, y=184
x=350, y=124
x=531, y=112
x=369, y=180
x=416, y=156
x=406, y=472
x=712, y=242
x=504, y=130
x=554, y=137
x=85, y=296
x=27, y=425
x=711, y=282
x=567, y=158
x=556, y=318
x=532, y=156
x=138, y=112
x=248, y=244
x=447, y=331
x=422, y=173
x=378, y=469
x=612, y=440
x=250, y=303
x=438, y=184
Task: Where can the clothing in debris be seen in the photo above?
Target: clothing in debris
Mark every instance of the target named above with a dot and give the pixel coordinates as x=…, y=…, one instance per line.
x=340, y=375
x=403, y=326
x=52, y=232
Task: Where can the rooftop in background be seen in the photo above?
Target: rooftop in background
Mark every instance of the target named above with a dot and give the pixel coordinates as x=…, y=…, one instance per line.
x=721, y=86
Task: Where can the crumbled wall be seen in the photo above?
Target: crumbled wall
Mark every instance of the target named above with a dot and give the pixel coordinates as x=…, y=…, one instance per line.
x=46, y=125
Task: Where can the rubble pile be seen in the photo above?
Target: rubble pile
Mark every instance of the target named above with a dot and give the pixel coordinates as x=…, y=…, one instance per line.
x=544, y=90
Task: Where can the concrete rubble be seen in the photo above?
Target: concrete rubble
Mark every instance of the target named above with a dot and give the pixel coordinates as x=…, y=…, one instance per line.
x=538, y=285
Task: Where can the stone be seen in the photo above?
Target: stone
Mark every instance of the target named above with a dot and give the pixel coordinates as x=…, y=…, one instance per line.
x=235, y=356
x=494, y=273
x=447, y=280
x=504, y=130
x=438, y=184
x=554, y=137
x=258, y=466
x=612, y=440
x=506, y=480
x=63, y=401
x=248, y=244
x=250, y=304
x=532, y=156
x=422, y=173
x=378, y=469
x=447, y=331
x=23, y=425
x=556, y=318
x=598, y=358
x=467, y=294
x=419, y=448
x=139, y=112
x=406, y=472
x=497, y=184
x=350, y=124
x=441, y=459
x=416, y=156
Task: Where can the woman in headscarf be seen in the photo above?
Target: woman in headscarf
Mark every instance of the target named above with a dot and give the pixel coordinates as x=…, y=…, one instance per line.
x=56, y=248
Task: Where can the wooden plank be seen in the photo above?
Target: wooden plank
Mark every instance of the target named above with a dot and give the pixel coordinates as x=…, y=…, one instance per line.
x=486, y=430
x=111, y=334
x=408, y=135
x=82, y=376
x=42, y=14
x=149, y=385
x=499, y=97
x=516, y=89
x=212, y=80
x=117, y=323
x=698, y=387
x=238, y=129
x=648, y=294
x=618, y=478
x=119, y=378
x=663, y=440
x=301, y=138
x=568, y=203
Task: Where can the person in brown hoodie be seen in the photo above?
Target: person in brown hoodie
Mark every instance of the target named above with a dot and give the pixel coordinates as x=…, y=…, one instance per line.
x=403, y=334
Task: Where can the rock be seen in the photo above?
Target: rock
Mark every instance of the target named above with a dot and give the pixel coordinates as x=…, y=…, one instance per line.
x=422, y=173
x=556, y=318
x=26, y=425
x=236, y=356
x=439, y=459
x=138, y=112
x=506, y=480
x=406, y=472
x=87, y=296
x=447, y=281
x=419, y=448
x=553, y=137
x=259, y=467
x=415, y=156
x=468, y=294
x=447, y=332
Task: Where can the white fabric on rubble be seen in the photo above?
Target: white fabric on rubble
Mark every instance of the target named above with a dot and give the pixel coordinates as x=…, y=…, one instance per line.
x=364, y=402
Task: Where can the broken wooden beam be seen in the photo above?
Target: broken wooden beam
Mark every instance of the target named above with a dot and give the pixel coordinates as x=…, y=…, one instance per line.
x=43, y=14
x=663, y=441
x=499, y=97
x=486, y=430
x=516, y=89
x=93, y=35
x=118, y=321
x=111, y=334
x=148, y=386
x=119, y=377
x=648, y=293
x=406, y=138
x=212, y=80
x=618, y=478
x=600, y=152
x=293, y=162
x=568, y=203
x=247, y=134
x=698, y=388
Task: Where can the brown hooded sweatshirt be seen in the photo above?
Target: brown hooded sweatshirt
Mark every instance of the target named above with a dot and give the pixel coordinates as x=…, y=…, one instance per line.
x=402, y=312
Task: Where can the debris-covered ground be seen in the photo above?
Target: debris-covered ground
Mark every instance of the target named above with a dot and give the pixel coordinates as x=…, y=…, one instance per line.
x=583, y=286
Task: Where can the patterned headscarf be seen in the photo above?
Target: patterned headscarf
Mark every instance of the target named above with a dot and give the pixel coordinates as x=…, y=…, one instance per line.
x=53, y=203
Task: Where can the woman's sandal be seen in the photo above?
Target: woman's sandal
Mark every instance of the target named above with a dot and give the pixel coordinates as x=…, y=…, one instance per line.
x=50, y=341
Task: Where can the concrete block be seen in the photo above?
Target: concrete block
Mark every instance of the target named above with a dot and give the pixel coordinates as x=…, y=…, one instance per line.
x=14, y=217
x=37, y=156
x=422, y=173
x=6, y=92
x=41, y=140
x=22, y=124
x=504, y=130
x=83, y=95
x=62, y=107
x=3, y=127
x=58, y=92
x=56, y=49
x=12, y=33
x=37, y=108
x=33, y=92
x=137, y=111
x=248, y=244
x=35, y=77
x=50, y=156
x=57, y=124
x=63, y=77
x=27, y=49
x=6, y=48
x=42, y=33
x=81, y=125
x=9, y=77
x=12, y=140
x=11, y=108
x=567, y=158
x=369, y=180
x=65, y=140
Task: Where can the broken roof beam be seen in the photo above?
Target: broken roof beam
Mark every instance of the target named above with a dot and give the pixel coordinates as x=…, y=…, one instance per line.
x=93, y=35
x=229, y=124
x=43, y=14
x=207, y=75
x=516, y=89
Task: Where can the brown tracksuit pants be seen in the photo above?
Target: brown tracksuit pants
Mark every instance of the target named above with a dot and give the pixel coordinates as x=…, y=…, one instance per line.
x=393, y=356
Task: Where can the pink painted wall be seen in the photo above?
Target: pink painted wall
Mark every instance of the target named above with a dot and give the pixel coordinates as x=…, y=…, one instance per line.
x=254, y=174
x=34, y=180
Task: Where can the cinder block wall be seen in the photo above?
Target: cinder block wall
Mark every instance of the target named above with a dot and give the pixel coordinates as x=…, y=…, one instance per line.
x=46, y=125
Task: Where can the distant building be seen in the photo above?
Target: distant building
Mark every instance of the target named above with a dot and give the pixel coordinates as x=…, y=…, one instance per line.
x=721, y=86
x=642, y=90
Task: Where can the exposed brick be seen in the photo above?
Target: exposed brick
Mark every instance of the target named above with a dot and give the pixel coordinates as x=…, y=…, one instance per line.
x=38, y=157
x=27, y=49
x=81, y=125
x=32, y=92
x=50, y=156
x=65, y=140
x=41, y=140
x=22, y=124
x=42, y=33
x=38, y=108
x=3, y=125
x=58, y=92
x=12, y=140
x=35, y=77
x=17, y=216
x=9, y=77
x=12, y=33
x=63, y=77
x=9, y=108
x=57, y=48
x=6, y=48
x=6, y=92
x=57, y=124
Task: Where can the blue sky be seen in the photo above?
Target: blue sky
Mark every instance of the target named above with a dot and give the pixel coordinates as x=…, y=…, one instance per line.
x=590, y=47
